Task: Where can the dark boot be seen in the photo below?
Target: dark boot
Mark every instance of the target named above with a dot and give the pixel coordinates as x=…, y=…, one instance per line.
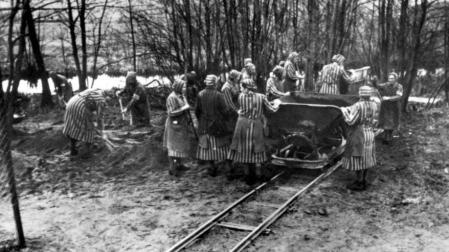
x=73, y=150
x=249, y=174
x=212, y=169
x=388, y=137
x=173, y=166
x=229, y=170
x=88, y=151
x=258, y=172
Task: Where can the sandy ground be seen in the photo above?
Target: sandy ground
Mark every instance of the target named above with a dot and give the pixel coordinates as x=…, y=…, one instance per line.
x=124, y=199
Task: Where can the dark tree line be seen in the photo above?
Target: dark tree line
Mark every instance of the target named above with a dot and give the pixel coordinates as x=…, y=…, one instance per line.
x=211, y=36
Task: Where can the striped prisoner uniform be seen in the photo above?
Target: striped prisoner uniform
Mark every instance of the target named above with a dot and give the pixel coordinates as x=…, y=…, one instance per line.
x=78, y=118
x=248, y=144
x=210, y=109
x=274, y=88
x=231, y=94
x=360, y=152
x=330, y=78
x=176, y=138
x=290, y=77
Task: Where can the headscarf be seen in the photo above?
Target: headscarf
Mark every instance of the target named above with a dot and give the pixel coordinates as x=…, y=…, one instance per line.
x=210, y=80
x=234, y=75
x=278, y=71
x=250, y=68
x=292, y=56
x=365, y=91
x=249, y=84
x=178, y=85
x=338, y=58
x=246, y=61
x=395, y=75
x=131, y=78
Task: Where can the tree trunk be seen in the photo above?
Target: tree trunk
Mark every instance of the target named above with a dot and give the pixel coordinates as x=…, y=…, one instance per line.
x=6, y=116
x=82, y=17
x=76, y=59
x=385, y=12
x=133, y=41
x=313, y=33
x=98, y=44
x=46, y=99
x=402, y=40
x=446, y=56
x=418, y=25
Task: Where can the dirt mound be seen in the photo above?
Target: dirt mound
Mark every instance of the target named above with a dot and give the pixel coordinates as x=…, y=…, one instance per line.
x=143, y=156
x=44, y=142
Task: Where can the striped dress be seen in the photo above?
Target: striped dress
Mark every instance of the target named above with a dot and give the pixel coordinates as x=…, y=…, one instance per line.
x=176, y=135
x=360, y=152
x=231, y=94
x=79, y=118
x=330, y=78
x=248, y=144
x=210, y=109
x=290, y=77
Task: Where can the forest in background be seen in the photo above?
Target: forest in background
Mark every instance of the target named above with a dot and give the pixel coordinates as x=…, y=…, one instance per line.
x=79, y=37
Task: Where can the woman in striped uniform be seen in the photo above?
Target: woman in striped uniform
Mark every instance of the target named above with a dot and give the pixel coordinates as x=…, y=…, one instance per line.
x=213, y=141
x=79, y=118
x=249, y=72
x=275, y=88
x=291, y=73
x=177, y=134
x=360, y=155
x=231, y=91
x=248, y=146
x=332, y=74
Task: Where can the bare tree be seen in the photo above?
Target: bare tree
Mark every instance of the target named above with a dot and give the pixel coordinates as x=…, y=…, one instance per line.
x=46, y=100
x=97, y=43
x=133, y=41
x=419, y=19
x=72, y=31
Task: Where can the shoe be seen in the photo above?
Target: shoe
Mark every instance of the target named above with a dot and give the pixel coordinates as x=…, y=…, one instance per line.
x=231, y=176
x=212, y=171
x=249, y=180
x=356, y=186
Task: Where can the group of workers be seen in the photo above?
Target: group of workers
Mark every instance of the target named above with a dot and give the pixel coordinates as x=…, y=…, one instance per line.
x=230, y=123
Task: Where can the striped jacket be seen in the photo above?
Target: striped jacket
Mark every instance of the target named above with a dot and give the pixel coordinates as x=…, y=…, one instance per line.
x=360, y=150
x=231, y=94
x=274, y=88
x=252, y=104
x=78, y=118
x=330, y=78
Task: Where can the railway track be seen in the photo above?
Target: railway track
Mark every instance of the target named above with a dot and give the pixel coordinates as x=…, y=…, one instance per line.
x=244, y=206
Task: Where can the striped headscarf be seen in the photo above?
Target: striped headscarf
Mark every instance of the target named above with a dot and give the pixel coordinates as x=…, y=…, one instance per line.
x=292, y=56
x=248, y=83
x=210, y=80
x=234, y=75
x=395, y=75
x=338, y=58
x=178, y=85
x=365, y=91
